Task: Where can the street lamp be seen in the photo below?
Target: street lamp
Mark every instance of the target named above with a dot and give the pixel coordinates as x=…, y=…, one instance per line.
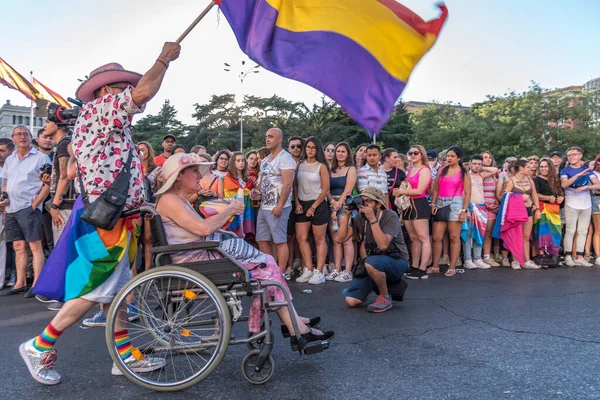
x=242, y=73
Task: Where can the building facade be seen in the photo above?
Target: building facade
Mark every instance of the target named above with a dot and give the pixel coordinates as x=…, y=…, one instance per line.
x=11, y=116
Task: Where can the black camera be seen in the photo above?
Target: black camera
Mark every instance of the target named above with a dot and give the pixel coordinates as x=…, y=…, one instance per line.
x=3, y=196
x=61, y=115
x=46, y=169
x=354, y=203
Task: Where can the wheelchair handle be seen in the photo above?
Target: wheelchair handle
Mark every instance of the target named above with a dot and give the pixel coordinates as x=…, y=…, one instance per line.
x=142, y=209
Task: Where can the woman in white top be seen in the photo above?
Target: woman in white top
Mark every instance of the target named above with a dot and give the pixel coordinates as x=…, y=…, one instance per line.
x=311, y=188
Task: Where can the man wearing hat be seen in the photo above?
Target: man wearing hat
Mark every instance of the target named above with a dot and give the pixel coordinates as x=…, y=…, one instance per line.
x=383, y=248
x=101, y=146
x=167, y=145
x=556, y=157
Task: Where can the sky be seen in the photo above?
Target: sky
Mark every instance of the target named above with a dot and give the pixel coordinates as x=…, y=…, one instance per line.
x=485, y=48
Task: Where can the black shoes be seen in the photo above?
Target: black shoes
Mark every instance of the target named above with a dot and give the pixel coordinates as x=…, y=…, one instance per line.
x=312, y=337
x=313, y=323
x=417, y=274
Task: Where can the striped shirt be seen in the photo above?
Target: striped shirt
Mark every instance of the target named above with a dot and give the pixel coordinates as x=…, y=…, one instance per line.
x=367, y=176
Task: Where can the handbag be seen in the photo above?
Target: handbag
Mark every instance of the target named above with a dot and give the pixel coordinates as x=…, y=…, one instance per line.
x=105, y=211
x=442, y=214
x=359, y=270
x=403, y=202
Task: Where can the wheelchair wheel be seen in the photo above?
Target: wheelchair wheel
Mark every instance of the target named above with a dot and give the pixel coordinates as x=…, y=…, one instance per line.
x=249, y=368
x=260, y=342
x=184, y=328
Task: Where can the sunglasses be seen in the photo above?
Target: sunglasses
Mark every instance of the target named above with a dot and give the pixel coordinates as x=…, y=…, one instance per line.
x=413, y=153
x=295, y=146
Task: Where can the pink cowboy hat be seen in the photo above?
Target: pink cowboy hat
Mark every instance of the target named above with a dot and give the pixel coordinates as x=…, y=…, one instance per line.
x=104, y=75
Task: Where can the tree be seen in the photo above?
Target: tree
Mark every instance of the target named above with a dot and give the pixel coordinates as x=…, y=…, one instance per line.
x=153, y=128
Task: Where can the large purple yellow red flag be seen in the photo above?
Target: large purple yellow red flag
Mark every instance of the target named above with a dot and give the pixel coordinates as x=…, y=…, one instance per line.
x=48, y=94
x=11, y=78
x=360, y=53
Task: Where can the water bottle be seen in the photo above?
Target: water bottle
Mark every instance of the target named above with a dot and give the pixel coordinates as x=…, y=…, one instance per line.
x=335, y=225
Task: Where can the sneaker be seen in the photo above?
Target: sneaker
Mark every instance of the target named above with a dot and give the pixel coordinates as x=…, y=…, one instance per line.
x=531, y=265
x=411, y=269
x=13, y=279
x=515, y=265
x=581, y=262
x=597, y=263
x=418, y=274
x=97, y=320
x=469, y=264
x=505, y=262
x=459, y=262
x=569, y=261
x=288, y=274
x=482, y=264
x=132, y=312
x=317, y=278
x=55, y=306
x=381, y=304
x=344, y=277
x=498, y=257
x=146, y=364
x=490, y=261
x=445, y=260
x=332, y=276
x=44, y=299
x=40, y=363
x=306, y=275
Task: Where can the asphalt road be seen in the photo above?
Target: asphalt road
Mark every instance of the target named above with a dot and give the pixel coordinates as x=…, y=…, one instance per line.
x=498, y=334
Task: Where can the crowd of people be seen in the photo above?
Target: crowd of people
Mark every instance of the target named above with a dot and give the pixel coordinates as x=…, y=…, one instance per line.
x=315, y=212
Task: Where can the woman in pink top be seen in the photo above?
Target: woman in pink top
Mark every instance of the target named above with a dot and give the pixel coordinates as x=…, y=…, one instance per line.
x=452, y=189
x=416, y=217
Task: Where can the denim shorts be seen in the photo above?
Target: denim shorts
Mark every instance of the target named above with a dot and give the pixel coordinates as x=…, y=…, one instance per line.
x=595, y=205
x=456, y=204
x=394, y=268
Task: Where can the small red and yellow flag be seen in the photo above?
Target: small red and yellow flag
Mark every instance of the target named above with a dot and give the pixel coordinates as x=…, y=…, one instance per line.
x=48, y=94
x=11, y=78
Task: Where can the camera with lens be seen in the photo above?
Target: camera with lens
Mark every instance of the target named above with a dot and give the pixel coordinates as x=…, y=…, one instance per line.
x=354, y=203
x=46, y=169
x=61, y=115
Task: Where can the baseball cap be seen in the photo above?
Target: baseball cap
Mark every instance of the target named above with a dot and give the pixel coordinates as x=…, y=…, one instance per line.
x=556, y=153
x=169, y=136
x=432, y=154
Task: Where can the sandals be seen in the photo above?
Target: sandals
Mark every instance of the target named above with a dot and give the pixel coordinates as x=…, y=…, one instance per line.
x=450, y=272
x=433, y=270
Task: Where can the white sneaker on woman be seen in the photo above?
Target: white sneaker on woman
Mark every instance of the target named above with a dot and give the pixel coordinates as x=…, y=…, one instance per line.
x=306, y=275
x=581, y=262
x=531, y=265
x=569, y=261
x=344, y=277
x=481, y=264
x=469, y=264
x=332, y=275
x=505, y=262
x=491, y=262
x=597, y=263
x=317, y=278
x=515, y=265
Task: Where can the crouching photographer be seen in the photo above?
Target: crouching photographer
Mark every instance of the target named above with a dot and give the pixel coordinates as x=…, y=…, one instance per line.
x=384, y=255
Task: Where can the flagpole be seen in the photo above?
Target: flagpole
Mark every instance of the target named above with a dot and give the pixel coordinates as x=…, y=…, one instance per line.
x=197, y=20
x=31, y=110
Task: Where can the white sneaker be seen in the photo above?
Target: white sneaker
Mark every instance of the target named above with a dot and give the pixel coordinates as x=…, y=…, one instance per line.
x=581, y=262
x=469, y=264
x=317, y=278
x=505, y=262
x=459, y=262
x=481, y=264
x=515, y=265
x=306, y=275
x=344, y=277
x=569, y=261
x=445, y=260
x=490, y=261
x=332, y=276
x=531, y=265
x=597, y=263
x=287, y=274
x=498, y=257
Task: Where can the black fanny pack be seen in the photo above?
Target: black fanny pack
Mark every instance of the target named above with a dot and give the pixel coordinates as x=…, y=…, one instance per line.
x=105, y=211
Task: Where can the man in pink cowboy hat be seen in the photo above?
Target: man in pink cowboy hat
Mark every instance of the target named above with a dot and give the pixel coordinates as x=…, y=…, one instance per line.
x=101, y=145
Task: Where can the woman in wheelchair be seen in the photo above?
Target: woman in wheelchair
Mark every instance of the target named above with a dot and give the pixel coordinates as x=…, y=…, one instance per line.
x=183, y=225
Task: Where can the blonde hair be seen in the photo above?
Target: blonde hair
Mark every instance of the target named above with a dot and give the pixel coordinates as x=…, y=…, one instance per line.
x=423, y=152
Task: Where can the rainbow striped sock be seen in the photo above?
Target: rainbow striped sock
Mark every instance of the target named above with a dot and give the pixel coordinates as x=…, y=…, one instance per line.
x=46, y=340
x=123, y=343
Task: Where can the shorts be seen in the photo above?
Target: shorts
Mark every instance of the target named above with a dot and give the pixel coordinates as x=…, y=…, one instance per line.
x=394, y=268
x=419, y=209
x=491, y=214
x=291, y=225
x=322, y=213
x=456, y=204
x=595, y=205
x=270, y=228
x=25, y=224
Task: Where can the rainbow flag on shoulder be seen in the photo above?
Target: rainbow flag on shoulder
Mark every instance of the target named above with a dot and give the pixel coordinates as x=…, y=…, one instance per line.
x=360, y=53
x=85, y=257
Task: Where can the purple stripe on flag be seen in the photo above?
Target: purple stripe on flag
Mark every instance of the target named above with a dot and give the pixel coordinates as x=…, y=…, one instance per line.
x=327, y=61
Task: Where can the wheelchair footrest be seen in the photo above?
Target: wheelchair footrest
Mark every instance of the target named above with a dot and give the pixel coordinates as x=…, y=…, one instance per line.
x=315, y=347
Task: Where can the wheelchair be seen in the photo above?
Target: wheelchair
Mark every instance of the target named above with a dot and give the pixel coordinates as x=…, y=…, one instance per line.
x=186, y=313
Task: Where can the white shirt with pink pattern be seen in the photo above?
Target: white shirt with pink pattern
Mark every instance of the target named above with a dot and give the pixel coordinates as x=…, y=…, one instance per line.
x=102, y=141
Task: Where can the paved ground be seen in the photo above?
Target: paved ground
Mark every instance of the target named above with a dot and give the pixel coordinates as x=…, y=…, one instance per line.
x=484, y=334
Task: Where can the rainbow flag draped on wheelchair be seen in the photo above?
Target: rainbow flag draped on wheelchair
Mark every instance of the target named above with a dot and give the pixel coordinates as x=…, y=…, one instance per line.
x=85, y=257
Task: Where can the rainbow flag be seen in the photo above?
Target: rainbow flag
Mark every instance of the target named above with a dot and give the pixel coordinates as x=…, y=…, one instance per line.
x=360, y=53
x=12, y=79
x=547, y=231
x=243, y=224
x=85, y=257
